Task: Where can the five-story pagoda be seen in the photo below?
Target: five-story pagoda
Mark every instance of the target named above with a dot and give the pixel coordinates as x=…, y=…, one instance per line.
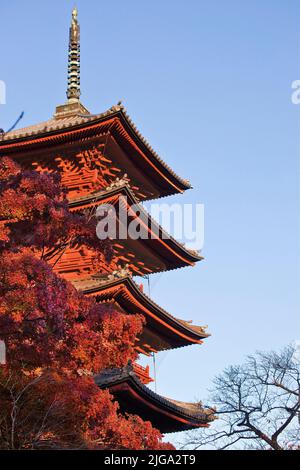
x=103, y=159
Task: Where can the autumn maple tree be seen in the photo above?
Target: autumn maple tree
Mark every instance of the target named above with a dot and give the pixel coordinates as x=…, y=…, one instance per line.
x=56, y=338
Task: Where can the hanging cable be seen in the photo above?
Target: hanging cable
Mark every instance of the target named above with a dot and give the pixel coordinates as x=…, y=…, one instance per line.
x=148, y=277
x=154, y=370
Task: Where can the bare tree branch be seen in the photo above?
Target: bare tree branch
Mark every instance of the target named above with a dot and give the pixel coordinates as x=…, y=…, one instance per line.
x=258, y=405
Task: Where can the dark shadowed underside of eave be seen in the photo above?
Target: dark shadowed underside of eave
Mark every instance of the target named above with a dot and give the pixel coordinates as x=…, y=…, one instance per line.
x=175, y=254
x=168, y=332
x=165, y=414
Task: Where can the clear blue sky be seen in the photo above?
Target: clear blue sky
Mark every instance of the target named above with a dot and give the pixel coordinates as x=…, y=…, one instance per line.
x=208, y=82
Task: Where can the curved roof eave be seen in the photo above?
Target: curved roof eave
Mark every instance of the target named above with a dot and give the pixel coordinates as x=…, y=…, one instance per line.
x=92, y=199
x=57, y=129
x=94, y=286
x=185, y=415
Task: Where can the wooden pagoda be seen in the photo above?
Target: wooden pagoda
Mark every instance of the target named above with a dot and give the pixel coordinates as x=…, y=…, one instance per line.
x=104, y=159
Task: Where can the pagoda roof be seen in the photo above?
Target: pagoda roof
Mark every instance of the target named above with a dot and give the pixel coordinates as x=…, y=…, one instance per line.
x=165, y=414
x=162, y=331
x=167, y=252
x=75, y=127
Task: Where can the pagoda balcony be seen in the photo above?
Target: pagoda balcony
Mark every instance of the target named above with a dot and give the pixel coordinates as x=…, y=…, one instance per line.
x=143, y=373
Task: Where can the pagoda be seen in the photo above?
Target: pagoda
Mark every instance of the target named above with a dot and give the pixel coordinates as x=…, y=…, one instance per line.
x=103, y=159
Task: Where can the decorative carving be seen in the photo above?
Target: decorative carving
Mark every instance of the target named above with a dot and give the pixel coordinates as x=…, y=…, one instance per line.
x=120, y=273
x=118, y=182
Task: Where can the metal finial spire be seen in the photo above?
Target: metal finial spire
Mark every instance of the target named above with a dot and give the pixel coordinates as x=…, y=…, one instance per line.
x=73, y=92
x=73, y=107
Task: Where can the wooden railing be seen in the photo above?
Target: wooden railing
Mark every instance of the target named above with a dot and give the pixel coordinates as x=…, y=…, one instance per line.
x=142, y=373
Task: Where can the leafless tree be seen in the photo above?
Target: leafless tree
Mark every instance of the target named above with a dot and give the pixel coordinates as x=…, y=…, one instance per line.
x=257, y=403
x=28, y=420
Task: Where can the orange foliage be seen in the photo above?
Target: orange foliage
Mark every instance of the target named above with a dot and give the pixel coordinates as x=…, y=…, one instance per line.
x=56, y=338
